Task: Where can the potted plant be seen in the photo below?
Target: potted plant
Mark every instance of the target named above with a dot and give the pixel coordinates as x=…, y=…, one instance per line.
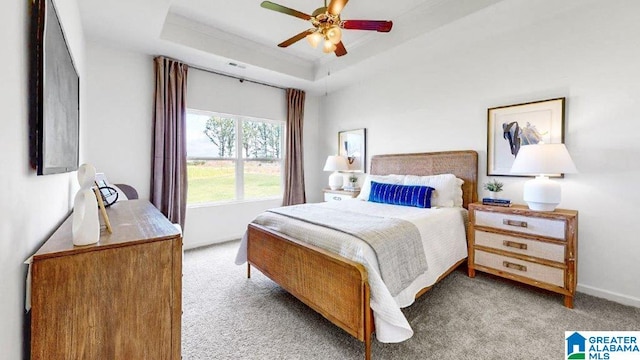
x=353, y=181
x=494, y=187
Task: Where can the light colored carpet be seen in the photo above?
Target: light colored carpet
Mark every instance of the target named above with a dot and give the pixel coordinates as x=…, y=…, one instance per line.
x=227, y=316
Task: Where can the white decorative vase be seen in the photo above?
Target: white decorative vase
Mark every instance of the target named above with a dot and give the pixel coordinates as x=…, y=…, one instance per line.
x=492, y=195
x=86, y=225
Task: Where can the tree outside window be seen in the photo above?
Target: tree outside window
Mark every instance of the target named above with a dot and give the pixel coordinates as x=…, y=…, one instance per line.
x=217, y=172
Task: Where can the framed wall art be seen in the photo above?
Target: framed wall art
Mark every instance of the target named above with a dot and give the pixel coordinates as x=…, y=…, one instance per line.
x=352, y=145
x=512, y=126
x=55, y=95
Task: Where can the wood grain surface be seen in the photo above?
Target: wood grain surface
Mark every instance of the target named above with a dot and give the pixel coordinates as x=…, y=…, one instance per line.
x=117, y=299
x=314, y=275
x=547, y=255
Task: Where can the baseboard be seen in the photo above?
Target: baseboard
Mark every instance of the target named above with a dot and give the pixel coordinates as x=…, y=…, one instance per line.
x=609, y=295
x=188, y=245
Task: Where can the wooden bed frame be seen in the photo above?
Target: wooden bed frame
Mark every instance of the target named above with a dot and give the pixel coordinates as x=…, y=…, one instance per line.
x=332, y=285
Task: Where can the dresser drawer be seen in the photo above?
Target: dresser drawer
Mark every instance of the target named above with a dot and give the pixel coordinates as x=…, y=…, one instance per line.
x=538, y=272
x=524, y=224
x=539, y=249
x=336, y=197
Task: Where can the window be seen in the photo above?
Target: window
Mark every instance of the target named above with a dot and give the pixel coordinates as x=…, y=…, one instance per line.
x=232, y=157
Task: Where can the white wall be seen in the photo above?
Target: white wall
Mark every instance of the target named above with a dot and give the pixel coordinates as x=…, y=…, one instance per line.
x=31, y=206
x=517, y=51
x=119, y=123
x=207, y=224
x=119, y=113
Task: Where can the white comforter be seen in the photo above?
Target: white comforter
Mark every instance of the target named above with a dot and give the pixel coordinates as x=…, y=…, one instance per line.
x=443, y=236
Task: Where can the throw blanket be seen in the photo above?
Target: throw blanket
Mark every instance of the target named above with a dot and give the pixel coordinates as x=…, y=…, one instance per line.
x=396, y=242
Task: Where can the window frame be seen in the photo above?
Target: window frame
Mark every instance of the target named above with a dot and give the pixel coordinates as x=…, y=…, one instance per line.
x=239, y=158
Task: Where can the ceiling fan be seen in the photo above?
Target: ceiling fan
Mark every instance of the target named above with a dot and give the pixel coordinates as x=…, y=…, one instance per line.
x=327, y=25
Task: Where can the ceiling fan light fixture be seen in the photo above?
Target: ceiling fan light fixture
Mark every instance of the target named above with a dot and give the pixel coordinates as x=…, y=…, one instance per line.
x=327, y=25
x=328, y=47
x=314, y=39
x=334, y=34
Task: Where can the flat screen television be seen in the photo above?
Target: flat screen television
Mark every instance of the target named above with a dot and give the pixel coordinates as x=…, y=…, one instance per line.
x=55, y=95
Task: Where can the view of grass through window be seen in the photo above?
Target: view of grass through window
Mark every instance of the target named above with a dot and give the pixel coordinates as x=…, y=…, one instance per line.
x=212, y=153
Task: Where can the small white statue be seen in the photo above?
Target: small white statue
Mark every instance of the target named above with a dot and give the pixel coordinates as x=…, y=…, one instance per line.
x=86, y=225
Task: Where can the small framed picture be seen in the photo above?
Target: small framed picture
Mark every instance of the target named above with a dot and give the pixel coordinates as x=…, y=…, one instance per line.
x=512, y=126
x=352, y=145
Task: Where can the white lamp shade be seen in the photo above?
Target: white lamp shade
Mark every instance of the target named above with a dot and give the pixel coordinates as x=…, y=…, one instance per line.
x=543, y=159
x=336, y=163
x=541, y=193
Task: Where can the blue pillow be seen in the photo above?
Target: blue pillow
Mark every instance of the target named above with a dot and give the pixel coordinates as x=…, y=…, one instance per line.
x=406, y=195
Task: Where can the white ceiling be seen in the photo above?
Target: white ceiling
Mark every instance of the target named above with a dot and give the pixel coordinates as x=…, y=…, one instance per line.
x=211, y=34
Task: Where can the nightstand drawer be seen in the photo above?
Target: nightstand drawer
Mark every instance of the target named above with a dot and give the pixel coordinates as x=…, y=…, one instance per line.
x=524, y=224
x=539, y=249
x=336, y=197
x=538, y=272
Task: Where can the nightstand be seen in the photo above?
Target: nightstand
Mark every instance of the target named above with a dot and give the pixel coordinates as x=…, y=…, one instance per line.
x=338, y=195
x=533, y=247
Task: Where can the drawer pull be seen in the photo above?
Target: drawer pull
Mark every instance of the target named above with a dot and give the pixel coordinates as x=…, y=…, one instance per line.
x=337, y=198
x=515, y=223
x=514, y=244
x=514, y=266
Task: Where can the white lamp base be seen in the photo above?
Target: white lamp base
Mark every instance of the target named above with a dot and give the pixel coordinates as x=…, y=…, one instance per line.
x=542, y=194
x=335, y=180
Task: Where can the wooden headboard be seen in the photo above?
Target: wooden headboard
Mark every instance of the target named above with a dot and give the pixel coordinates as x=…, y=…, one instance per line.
x=463, y=164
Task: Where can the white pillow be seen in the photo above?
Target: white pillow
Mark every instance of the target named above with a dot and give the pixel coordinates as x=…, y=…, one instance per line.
x=385, y=179
x=448, y=187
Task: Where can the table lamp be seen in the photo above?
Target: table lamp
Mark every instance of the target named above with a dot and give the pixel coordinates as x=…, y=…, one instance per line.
x=541, y=193
x=335, y=163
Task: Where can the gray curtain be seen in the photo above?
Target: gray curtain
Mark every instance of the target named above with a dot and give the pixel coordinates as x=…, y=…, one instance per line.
x=294, y=159
x=169, y=172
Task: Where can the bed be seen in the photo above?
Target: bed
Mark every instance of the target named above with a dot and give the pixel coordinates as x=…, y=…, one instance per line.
x=335, y=286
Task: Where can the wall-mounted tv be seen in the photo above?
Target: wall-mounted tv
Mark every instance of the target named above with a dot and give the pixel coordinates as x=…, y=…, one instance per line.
x=55, y=95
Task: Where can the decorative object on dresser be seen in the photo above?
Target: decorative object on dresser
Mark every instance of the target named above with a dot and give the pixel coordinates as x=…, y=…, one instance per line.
x=493, y=187
x=336, y=164
x=513, y=126
x=535, y=248
x=352, y=144
x=338, y=195
x=103, y=210
x=86, y=225
x=118, y=299
x=542, y=194
x=496, y=202
x=352, y=183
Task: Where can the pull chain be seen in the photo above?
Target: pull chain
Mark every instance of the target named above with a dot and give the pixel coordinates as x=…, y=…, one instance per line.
x=326, y=80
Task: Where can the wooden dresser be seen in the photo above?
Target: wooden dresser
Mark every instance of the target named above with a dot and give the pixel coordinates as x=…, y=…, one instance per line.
x=118, y=299
x=533, y=247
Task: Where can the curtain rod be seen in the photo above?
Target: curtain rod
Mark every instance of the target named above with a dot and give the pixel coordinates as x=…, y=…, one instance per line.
x=222, y=74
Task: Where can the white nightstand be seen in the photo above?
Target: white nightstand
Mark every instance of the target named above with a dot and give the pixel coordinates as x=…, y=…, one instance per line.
x=533, y=247
x=338, y=195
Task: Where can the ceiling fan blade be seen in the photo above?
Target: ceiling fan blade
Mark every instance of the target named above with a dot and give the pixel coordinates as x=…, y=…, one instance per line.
x=373, y=25
x=296, y=38
x=285, y=10
x=335, y=6
x=340, y=50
